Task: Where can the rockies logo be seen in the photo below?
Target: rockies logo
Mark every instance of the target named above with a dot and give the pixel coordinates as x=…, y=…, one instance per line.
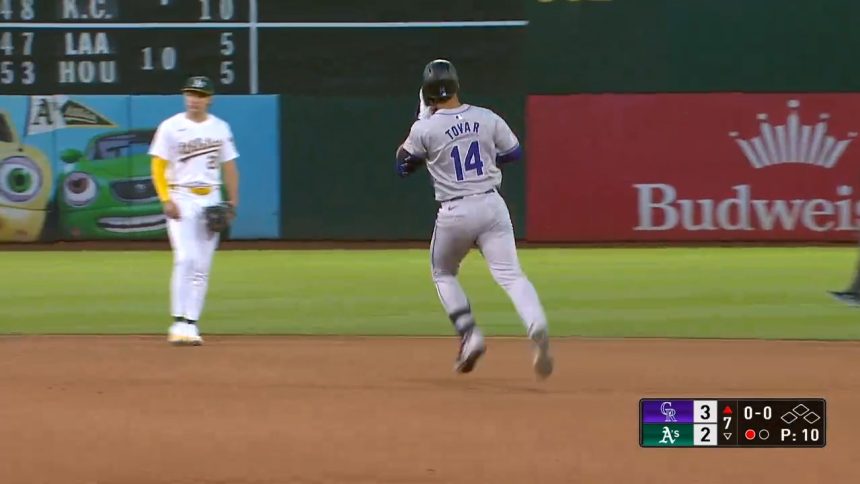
x=667, y=410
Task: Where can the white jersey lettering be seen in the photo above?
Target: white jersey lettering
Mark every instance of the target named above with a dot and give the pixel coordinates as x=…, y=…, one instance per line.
x=194, y=151
x=460, y=146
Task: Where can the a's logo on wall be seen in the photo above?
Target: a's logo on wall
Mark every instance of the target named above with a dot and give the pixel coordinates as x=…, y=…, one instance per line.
x=793, y=142
x=49, y=113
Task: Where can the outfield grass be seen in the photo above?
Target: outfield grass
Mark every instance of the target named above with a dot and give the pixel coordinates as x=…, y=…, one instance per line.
x=706, y=292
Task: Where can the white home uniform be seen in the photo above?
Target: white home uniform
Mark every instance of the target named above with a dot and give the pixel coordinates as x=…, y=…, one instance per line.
x=194, y=153
x=461, y=146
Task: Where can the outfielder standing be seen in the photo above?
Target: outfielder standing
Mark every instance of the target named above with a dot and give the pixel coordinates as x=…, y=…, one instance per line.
x=462, y=146
x=189, y=152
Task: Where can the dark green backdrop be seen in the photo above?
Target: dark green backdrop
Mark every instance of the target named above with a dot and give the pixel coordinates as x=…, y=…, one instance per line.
x=693, y=46
x=349, y=95
x=349, y=99
x=338, y=172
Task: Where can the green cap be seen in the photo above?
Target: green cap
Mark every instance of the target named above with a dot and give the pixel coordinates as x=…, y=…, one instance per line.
x=201, y=84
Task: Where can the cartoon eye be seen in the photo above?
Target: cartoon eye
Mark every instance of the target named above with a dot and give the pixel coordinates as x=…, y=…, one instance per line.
x=79, y=189
x=20, y=179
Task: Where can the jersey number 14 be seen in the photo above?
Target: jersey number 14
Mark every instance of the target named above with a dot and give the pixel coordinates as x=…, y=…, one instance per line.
x=473, y=161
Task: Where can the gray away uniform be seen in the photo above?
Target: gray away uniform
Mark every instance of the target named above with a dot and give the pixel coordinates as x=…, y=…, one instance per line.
x=461, y=146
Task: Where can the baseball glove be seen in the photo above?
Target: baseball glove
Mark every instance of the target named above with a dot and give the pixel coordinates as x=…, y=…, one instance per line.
x=218, y=217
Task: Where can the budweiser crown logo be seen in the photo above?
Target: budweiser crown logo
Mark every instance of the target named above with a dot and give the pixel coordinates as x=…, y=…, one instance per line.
x=793, y=142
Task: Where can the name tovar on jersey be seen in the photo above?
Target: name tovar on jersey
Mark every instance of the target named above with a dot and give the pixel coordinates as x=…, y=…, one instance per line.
x=461, y=146
x=194, y=151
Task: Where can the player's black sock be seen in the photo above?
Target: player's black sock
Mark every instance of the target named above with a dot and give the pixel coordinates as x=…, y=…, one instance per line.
x=178, y=319
x=191, y=321
x=462, y=320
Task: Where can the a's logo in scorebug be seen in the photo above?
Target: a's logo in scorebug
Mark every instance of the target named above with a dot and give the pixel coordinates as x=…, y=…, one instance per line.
x=669, y=436
x=668, y=412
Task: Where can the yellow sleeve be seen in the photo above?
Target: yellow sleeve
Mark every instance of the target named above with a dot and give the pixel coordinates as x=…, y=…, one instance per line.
x=159, y=178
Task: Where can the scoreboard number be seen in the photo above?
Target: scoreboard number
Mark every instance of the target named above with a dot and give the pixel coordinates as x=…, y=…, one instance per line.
x=705, y=435
x=7, y=43
x=227, y=45
x=227, y=74
x=167, y=57
x=766, y=413
x=22, y=73
x=225, y=9
x=706, y=411
x=25, y=11
x=28, y=43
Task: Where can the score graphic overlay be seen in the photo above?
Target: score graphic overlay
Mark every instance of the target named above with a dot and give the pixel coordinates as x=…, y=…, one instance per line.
x=750, y=422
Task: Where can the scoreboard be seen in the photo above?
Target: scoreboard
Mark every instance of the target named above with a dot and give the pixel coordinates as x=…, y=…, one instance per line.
x=245, y=46
x=752, y=422
x=122, y=46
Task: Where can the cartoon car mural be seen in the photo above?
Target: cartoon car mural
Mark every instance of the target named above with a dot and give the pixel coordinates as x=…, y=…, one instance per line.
x=106, y=192
x=26, y=183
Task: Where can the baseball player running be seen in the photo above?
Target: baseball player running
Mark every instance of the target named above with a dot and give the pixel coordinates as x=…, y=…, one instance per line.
x=463, y=146
x=190, y=150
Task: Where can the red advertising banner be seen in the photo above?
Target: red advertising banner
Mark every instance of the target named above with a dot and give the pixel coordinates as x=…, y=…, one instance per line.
x=693, y=167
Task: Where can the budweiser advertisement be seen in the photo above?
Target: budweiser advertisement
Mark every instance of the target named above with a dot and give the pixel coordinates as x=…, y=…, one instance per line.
x=693, y=167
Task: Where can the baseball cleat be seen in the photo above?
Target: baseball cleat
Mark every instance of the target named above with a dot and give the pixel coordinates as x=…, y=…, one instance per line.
x=467, y=364
x=850, y=298
x=471, y=349
x=192, y=341
x=194, y=338
x=543, y=361
x=184, y=334
x=176, y=333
